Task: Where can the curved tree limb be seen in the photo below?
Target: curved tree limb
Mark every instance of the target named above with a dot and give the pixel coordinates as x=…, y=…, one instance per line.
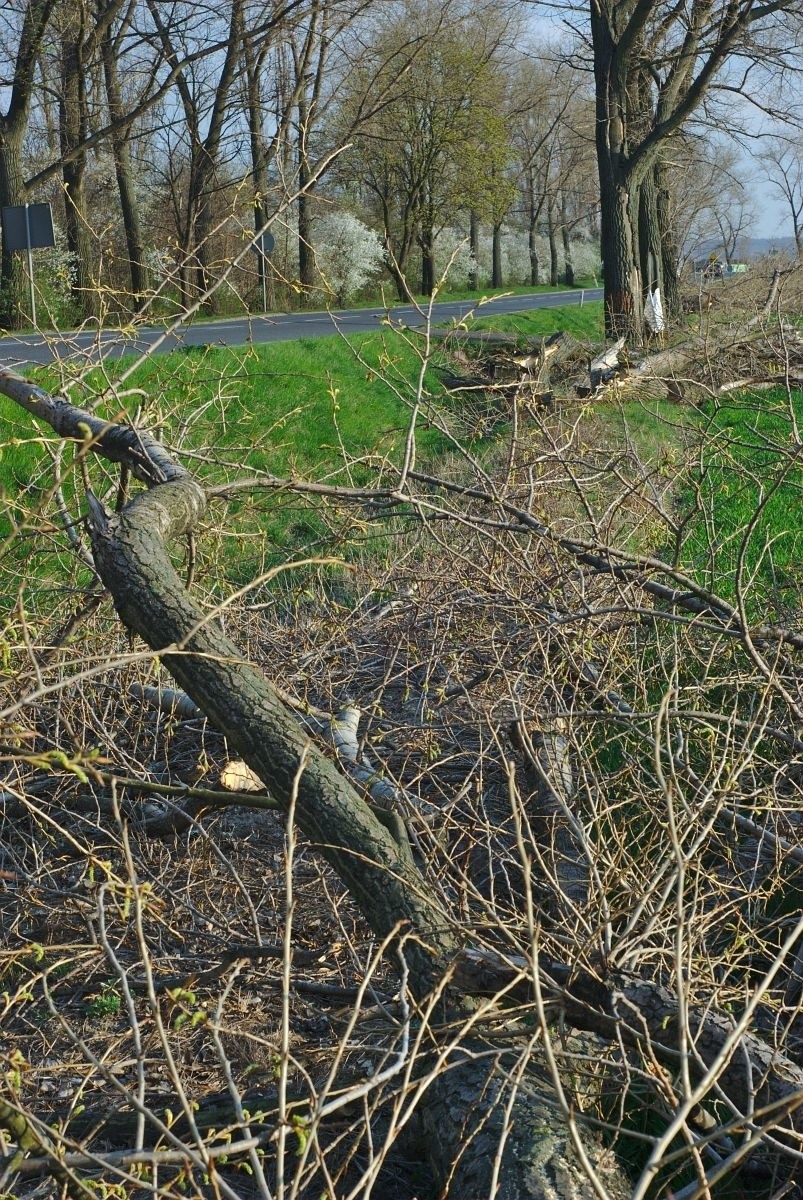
x=525, y=1147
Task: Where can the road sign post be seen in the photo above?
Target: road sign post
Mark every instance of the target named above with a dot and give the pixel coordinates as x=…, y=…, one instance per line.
x=30, y=262
x=262, y=246
x=28, y=227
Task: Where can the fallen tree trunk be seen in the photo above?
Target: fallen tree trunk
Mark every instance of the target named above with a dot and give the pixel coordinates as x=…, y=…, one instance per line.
x=723, y=359
x=130, y=551
x=492, y=1119
x=646, y=1015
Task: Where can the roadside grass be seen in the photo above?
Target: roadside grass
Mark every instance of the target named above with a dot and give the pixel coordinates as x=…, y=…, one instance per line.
x=749, y=490
x=736, y=482
x=318, y=408
x=584, y=321
x=323, y=410
x=337, y=412
x=25, y=484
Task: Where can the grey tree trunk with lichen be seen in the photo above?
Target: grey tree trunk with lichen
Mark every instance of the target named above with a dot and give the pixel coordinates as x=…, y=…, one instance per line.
x=517, y=1133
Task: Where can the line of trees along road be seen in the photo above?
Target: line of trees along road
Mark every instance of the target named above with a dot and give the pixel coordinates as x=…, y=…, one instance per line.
x=167, y=133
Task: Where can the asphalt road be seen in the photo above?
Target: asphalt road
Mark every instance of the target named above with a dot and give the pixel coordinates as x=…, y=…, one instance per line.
x=277, y=327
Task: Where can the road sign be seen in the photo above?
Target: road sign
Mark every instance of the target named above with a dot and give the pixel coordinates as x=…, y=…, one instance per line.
x=28, y=226
x=264, y=243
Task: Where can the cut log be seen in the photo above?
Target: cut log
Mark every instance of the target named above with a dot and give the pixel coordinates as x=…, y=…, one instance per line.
x=167, y=700
x=548, y=772
x=646, y=1015
x=604, y=366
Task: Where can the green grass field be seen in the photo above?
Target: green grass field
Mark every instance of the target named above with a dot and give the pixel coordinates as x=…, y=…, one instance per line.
x=337, y=412
x=751, y=491
x=583, y=321
x=317, y=409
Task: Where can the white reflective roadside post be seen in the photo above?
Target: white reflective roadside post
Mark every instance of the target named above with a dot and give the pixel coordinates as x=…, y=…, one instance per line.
x=30, y=262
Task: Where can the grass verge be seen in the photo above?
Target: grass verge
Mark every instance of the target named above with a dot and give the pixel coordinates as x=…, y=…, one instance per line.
x=748, y=491
x=584, y=321
x=323, y=409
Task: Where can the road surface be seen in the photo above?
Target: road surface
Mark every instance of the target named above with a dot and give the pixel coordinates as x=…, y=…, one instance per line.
x=25, y=349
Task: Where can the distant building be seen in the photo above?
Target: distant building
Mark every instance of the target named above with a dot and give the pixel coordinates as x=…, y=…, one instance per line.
x=712, y=268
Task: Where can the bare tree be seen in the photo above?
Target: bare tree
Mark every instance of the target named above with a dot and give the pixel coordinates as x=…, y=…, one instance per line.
x=782, y=159
x=437, y=143
x=112, y=47
x=653, y=67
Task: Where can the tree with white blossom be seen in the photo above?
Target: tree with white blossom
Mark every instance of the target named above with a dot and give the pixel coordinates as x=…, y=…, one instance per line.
x=347, y=254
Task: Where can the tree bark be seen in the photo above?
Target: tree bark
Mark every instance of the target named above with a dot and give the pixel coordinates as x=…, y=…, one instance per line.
x=553, y=248
x=670, y=253
x=649, y=235
x=426, y=240
x=496, y=256
x=567, y=245
x=534, y=263
x=13, y=126
x=622, y=285
x=622, y=282
x=474, y=248
x=519, y=1122
x=306, y=250
x=14, y=302
x=72, y=131
x=121, y=150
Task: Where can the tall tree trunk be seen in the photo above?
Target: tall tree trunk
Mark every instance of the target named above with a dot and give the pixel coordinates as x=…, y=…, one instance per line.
x=553, y=247
x=568, y=265
x=306, y=250
x=623, y=307
x=397, y=249
x=535, y=266
x=308, y=86
x=474, y=249
x=670, y=254
x=72, y=128
x=13, y=126
x=397, y=265
x=201, y=198
x=427, y=243
x=651, y=263
x=533, y=213
x=14, y=294
x=196, y=272
x=259, y=167
x=496, y=257
x=618, y=216
x=129, y=202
